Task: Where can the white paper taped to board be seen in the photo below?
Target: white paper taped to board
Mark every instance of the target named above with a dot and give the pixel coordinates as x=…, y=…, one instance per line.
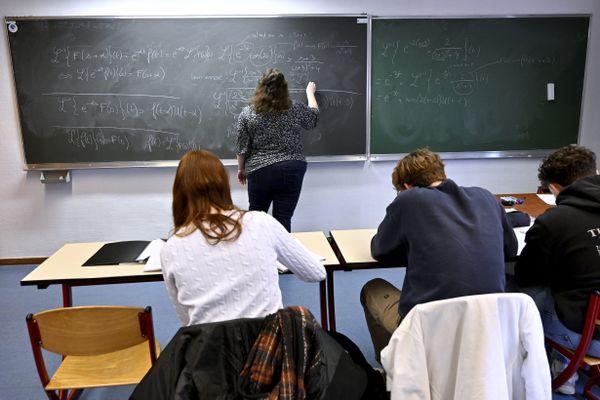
x=550, y=91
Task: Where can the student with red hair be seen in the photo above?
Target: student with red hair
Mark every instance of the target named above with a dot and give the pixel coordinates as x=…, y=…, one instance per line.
x=221, y=262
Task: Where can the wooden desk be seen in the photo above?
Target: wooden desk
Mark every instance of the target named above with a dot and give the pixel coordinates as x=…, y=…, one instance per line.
x=64, y=268
x=532, y=204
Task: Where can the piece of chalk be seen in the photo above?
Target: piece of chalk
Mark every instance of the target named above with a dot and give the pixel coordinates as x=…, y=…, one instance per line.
x=550, y=91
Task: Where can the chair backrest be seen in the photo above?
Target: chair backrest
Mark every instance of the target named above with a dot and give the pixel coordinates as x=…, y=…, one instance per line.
x=92, y=329
x=473, y=347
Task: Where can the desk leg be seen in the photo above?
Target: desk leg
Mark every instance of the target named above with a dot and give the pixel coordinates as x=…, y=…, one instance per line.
x=67, y=295
x=323, y=301
x=331, y=299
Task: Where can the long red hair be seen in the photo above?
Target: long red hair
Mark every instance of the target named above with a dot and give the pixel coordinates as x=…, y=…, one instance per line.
x=202, y=199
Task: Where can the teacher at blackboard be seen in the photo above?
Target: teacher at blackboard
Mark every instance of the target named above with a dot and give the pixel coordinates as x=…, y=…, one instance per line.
x=269, y=145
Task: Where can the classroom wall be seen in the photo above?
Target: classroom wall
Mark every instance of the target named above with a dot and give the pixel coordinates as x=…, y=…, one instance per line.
x=119, y=204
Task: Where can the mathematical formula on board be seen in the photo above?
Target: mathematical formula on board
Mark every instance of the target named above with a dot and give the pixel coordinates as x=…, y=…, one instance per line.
x=241, y=66
x=137, y=89
x=168, y=86
x=460, y=70
x=476, y=84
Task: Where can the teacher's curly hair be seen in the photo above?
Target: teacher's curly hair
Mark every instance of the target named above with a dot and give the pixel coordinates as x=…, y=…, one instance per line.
x=271, y=94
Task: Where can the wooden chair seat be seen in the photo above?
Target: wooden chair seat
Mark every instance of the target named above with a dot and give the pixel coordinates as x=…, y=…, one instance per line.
x=122, y=367
x=591, y=361
x=587, y=360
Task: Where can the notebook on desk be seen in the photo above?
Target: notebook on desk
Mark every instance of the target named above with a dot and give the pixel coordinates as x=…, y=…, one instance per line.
x=117, y=253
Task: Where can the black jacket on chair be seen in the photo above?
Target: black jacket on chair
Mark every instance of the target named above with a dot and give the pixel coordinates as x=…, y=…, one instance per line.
x=204, y=362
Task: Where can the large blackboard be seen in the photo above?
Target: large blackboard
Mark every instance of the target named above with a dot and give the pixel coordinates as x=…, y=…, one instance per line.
x=476, y=85
x=137, y=90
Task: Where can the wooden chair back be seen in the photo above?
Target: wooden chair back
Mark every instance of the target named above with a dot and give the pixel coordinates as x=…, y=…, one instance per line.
x=91, y=330
x=90, y=335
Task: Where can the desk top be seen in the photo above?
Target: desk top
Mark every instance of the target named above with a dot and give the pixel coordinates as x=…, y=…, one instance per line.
x=354, y=245
x=532, y=204
x=64, y=266
x=317, y=243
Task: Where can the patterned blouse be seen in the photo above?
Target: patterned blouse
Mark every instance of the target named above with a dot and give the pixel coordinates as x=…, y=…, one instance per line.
x=265, y=139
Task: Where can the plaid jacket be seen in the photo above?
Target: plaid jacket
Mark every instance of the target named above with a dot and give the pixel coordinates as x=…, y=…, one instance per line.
x=286, y=359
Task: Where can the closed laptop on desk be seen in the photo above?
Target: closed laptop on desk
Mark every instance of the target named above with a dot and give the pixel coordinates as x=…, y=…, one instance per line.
x=117, y=252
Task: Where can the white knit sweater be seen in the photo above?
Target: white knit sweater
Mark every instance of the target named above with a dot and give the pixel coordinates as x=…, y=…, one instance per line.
x=239, y=279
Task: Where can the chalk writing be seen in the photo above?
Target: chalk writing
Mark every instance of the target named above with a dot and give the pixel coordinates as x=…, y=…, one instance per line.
x=130, y=87
x=458, y=69
x=93, y=138
x=476, y=84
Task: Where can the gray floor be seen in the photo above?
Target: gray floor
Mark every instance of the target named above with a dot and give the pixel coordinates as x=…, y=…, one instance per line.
x=18, y=377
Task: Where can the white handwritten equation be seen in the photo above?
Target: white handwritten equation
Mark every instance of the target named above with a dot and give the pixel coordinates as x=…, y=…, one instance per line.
x=158, y=110
x=125, y=86
x=113, y=105
x=457, y=70
x=99, y=137
x=301, y=54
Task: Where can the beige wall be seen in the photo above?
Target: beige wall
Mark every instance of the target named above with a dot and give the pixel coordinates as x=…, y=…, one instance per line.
x=120, y=204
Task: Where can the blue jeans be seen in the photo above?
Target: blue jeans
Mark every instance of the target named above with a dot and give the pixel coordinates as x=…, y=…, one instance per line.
x=553, y=328
x=280, y=184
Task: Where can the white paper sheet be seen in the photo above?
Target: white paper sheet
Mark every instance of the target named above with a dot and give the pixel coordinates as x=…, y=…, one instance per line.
x=152, y=253
x=520, y=234
x=548, y=199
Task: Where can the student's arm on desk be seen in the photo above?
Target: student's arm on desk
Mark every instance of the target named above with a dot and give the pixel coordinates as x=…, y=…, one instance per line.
x=387, y=246
x=293, y=255
x=533, y=265
x=283, y=268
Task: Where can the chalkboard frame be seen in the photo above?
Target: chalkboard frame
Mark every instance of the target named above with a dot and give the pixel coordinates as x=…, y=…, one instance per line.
x=362, y=156
x=524, y=153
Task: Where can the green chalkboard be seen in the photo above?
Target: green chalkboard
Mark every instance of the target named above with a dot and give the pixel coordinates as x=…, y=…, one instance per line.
x=477, y=84
x=129, y=91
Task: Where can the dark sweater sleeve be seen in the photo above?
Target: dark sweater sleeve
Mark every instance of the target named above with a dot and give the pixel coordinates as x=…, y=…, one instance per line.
x=387, y=245
x=511, y=245
x=532, y=267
